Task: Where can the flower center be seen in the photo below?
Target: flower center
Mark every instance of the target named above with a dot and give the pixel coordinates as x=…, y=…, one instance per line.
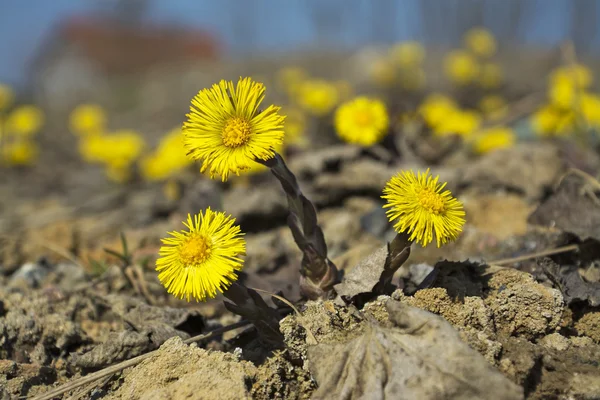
x=236, y=132
x=195, y=251
x=431, y=201
x=362, y=118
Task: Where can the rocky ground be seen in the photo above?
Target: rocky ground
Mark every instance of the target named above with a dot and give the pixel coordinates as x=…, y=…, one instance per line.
x=469, y=328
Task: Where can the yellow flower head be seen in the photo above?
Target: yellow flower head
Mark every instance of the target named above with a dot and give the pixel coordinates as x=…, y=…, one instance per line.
x=491, y=75
x=6, y=96
x=295, y=126
x=590, y=108
x=578, y=75
x=495, y=138
x=550, y=120
x=493, y=106
x=363, y=121
x=458, y=122
x=227, y=131
x=563, y=93
x=119, y=149
x=481, y=42
x=203, y=259
x=87, y=119
x=436, y=107
x=408, y=54
x=24, y=121
x=318, y=97
x=461, y=67
x=21, y=152
x=419, y=206
x=167, y=160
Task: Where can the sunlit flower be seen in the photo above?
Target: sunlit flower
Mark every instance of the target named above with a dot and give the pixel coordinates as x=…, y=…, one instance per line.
x=119, y=149
x=490, y=75
x=295, y=126
x=20, y=152
x=167, y=160
x=202, y=260
x=461, y=67
x=436, y=107
x=493, y=106
x=318, y=97
x=550, y=120
x=563, y=93
x=408, y=54
x=227, y=131
x=24, y=121
x=87, y=119
x=6, y=96
x=495, y=138
x=590, y=108
x=481, y=42
x=420, y=207
x=578, y=75
x=458, y=122
x=362, y=121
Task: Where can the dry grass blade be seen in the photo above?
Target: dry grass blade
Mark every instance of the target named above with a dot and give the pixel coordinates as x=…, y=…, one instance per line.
x=543, y=253
x=129, y=363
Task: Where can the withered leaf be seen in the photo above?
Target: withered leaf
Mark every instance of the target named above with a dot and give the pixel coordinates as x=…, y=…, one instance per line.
x=421, y=357
x=571, y=285
x=573, y=207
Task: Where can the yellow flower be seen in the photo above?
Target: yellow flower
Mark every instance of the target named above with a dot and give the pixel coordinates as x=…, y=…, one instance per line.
x=493, y=106
x=408, y=54
x=578, y=75
x=295, y=126
x=167, y=160
x=461, y=67
x=19, y=152
x=289, y=79
x=227, y=131
x=318, y=97
x=6, y=96
x=481, y=42
x=590, y=108
x=87, y=119
x=458, y=122
x=363, y=121
x=563, y=93
x=495, y=138
x=490, y=75
x=436, y=107
x=203, y=259
x=119, y=149
x=552, y=121
x=24, y=121
x=419, y=206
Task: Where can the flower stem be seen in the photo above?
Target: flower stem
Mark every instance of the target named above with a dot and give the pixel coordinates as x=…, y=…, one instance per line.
x=319, y=274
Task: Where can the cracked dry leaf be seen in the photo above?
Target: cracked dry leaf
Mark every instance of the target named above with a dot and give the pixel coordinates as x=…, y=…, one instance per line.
x=421, y=357
x=573, y=207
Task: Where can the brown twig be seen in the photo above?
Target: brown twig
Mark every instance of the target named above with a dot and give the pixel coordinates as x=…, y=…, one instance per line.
x=512, y=260
x=129, y=363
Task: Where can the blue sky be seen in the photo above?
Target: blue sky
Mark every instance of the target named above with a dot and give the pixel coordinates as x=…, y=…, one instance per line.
x=286, y=24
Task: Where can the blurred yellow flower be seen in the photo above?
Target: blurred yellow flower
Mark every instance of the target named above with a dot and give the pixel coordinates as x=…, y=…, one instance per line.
x=493, y=106
x=204, y=259
x=495, y=138
x=590, y=108
x=290, y=78
x=318, y=97
x=295, y=126
x=458, y=122
x=118, y=150
x=24, y=121
x=408, y=54
x=227, y=132
x=563, y=93
x=419, y=206
x=19, y=152
x=491, y=75
x=461, y=67
x=118, y=173
x=363, y=121
x=87, y=119
x=6, y=96
x=168, y=159
x=578, y=75
x=552, y=121
x=436, y=107
x=481, y=42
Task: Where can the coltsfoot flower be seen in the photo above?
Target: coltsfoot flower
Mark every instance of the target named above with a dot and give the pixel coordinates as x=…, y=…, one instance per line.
x=87, y=119
x=363, y=121
x=494, y=138
x=420, y=207
x=202, y=260
x=481, y=42
x=226, y=130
